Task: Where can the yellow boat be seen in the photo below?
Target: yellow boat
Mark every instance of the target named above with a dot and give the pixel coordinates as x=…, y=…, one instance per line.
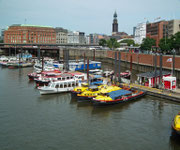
x=176, y=123
x=95, y=91
x=117, y=96
x=79, y=89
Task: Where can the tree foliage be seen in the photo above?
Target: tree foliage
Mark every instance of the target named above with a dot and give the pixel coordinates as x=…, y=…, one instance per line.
x=102, y=42
x=175, y=39
x=112, y=43
x=165, y=45
x=128, y=41
x=148, y=43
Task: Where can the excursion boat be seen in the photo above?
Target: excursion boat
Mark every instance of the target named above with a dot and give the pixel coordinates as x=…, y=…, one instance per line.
x=35, y=76
x=118, y=96
x=94, y=91
x=59, y=87
x=46, y=78
x=58, y=76
x=176, y=124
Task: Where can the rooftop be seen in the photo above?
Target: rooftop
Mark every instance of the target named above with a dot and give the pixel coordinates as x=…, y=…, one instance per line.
x=152, y=74
x=30, y=25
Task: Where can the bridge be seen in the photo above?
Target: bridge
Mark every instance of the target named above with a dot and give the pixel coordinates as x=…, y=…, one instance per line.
x=37, y=48
x=51, y=50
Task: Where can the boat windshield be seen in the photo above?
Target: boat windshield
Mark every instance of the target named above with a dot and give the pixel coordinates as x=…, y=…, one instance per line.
x=53, y=85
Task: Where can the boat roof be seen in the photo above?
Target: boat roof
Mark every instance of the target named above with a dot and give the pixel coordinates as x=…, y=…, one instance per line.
x=66, y=75
x=118, y=93
x=95, y=76
x=152, y=74
x=77, y=73
x=93, y=87
x=51, y=72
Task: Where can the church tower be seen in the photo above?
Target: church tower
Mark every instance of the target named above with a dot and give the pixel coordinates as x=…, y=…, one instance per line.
x=115, y=24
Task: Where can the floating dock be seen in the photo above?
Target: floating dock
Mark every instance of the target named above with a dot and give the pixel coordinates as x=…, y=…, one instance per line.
x=161, y=93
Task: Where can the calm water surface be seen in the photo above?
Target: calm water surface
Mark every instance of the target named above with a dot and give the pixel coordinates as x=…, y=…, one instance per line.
x=29, y=121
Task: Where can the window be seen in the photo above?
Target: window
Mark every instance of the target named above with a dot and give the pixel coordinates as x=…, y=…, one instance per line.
x=57, y=85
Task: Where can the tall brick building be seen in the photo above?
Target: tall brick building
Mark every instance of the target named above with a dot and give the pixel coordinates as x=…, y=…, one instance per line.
x=20, y=33
x=157, y=30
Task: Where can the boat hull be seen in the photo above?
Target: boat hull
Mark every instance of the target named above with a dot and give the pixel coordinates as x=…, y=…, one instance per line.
x=174, y=129
x=44, y=91
x=84, y=99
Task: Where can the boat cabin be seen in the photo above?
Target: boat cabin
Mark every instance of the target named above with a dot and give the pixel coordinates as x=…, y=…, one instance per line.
x=63, y=84
x=96, y=79
x=119, y=94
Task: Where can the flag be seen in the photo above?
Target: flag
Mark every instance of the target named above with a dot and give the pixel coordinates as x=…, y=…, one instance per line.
x=169, y=60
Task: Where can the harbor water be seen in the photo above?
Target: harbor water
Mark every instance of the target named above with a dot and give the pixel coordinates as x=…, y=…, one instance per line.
x=29, y=121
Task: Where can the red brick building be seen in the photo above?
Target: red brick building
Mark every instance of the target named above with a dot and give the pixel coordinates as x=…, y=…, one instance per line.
x=157, y=31
x=20, y=33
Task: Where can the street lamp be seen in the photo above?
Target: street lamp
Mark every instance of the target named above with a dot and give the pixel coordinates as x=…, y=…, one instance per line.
x=131, y=63
x=174, y=53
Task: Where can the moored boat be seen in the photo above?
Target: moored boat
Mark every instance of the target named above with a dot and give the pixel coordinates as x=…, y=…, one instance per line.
x=94, y=91
x=79, y=89
x=118, y=96
x=176, y=124
x=59, y=87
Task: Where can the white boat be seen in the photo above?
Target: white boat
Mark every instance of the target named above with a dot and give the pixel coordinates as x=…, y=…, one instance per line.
x=59, y=87
x=38, y=67
x=96, y=72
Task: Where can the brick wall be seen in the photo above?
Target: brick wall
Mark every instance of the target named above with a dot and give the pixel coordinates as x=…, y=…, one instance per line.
x=146, y=59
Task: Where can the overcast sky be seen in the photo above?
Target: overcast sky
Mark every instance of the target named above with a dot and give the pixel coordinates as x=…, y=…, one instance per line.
x=89, y=16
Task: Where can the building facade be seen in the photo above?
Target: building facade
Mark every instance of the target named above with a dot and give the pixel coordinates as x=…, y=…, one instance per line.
x=140, y=33
x=20, y=33
x=173, y=27
x=2, y=34
x=61, y=35
x=76, y=37
x=157, y=30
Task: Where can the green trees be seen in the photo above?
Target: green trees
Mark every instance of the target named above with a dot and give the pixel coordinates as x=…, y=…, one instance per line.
x=102, y=42
x=148, y=43
x=111, y=43
x=165, y=45
x=128, y=41
x=175, y=40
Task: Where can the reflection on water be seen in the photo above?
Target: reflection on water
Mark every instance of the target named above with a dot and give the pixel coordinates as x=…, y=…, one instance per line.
x=174, y=141
x=33, y=121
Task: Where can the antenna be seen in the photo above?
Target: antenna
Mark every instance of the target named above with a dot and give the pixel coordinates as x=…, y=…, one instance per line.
x=25, y=21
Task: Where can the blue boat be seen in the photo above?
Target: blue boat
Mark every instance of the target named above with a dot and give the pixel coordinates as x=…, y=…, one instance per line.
x=96, y=80
x=80, y=66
